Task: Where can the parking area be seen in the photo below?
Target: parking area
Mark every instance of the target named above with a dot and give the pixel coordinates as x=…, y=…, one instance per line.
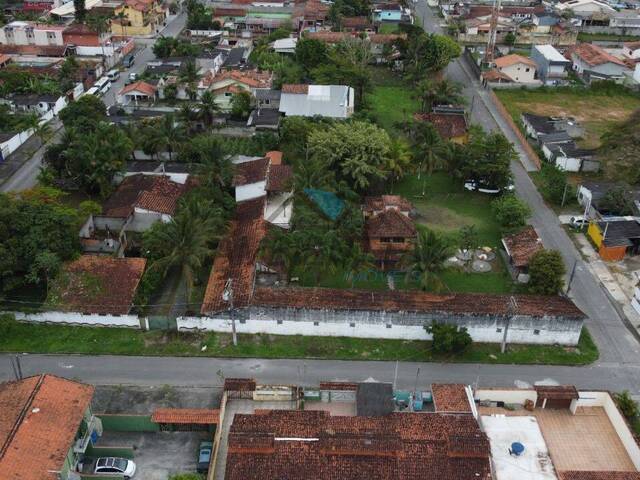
x=161, y=454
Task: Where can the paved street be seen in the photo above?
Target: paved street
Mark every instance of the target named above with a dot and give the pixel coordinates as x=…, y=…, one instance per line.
x=615, y=341
x=209, y=371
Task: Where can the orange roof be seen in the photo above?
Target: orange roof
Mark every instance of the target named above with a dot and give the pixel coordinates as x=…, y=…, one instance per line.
x=450, y=398
x=4, y=58
x=39, y=419
x=139, y=86
x=522, y=246
x=298, y=88
x=513, y=59
x=201, y=416
x=494, y=75
x=594, y=55
x=275, y=157
x=328, y=37
x=252, y=78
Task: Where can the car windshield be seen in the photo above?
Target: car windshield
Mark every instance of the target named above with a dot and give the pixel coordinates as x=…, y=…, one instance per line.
x=120, y=464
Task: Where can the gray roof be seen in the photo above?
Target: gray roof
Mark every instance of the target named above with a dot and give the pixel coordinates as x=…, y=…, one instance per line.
x=554, y=137
x=265, y=117
x=235, y=57
x=539, y=123
x=374, y=399
x=267, y=94
x=33, y=99
x=323, y=100
x=569, y=149
x=620, y=233
x=4, y=136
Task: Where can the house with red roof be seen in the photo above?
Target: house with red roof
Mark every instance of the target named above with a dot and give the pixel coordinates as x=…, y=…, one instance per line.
x=227, y=83
x=518, y=68
x=593, y=63
x=137, y=92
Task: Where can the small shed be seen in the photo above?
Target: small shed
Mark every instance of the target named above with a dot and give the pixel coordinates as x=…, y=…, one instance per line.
x=558, y=397
x=186, y=419
x=374, y=399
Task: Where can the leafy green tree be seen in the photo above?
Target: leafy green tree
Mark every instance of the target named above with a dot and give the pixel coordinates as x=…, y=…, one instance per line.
x=172, y=133
x=164, y=46
x=100, y=24
x=617, y=201
x=627, y=405
x=546, y=272
x=426, y=261
x=339, y=72
x=424, y=53
x=400, y=157
x=432, y=93
x=428, y=147
x=45, y=266
x=241, y=105
x=488, y=158
x=511, y=212
x=468, y=237
x=80, y=10
x=510, y=39
x=359, y=151
x=310, y=53
x=449, y=338
x=68, y=73
x=280, y=248
x=83, y=114
x=555, y=184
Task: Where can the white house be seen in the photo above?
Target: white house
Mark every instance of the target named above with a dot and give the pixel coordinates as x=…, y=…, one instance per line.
x=595, y=63
x=137, y=92
x=31, y=33
x=332, y=101
x=285, y=45
x=627, y=19
x=552, y=65
x=585, y=8
x=632, y=50
x=520, y=69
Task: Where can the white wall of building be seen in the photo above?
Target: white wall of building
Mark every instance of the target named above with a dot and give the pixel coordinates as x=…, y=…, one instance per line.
x=510, y=396
x=74, y=318
x=569, y=164
x=520, y=72
x=251, y=190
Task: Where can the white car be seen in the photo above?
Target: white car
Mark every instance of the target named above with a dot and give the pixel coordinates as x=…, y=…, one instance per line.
x=578, y=221
x=482, y=187
x=116, y=466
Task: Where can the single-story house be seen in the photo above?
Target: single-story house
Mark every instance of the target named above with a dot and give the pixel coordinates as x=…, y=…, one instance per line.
x=332, y=101
x=225, y=84
x=33, y=102
x=590, y=195
x=285, y=45
x=267, y=98
x=451, y=126
x=593, y=62
x=520, y=247
x=387, y=12
x=537, y=125
x=264, y=119
x=568, y=156
x=520, y=69
x=136, y=92
x=615, y=239
x=47, y=426
x=552, y=66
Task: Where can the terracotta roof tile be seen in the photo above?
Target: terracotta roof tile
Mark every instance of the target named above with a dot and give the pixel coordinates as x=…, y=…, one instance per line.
x=251, y=78
x=275, y=157
x=382, y=202
x=200, y=416
x=513, y=59
x=93, y=284
x=328, y=37
x=229, y=12
x=249, y=172
x=593, y=54
x=39, y=419
x=563, y=392
x=151, y=192
x=239, y=384
x=300, y=89
x=279, y=178
x=523, y=245
x=592, y=475
x=139, y=86
x=339, y=386
x=355, y=22
x=494, y=75
x=390, y=223
x=451, y=398
x=448, y=125
x=414, y=301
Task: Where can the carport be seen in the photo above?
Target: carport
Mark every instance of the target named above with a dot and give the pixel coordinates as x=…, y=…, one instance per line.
x=186, y=419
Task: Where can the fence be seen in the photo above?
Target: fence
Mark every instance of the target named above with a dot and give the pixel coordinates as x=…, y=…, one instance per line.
x=107, y=451
x=128, y=423
x=528, y=150
x=76, y=318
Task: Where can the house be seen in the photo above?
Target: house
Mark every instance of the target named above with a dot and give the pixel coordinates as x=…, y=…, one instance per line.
x=236, y=58
x=494, y=76
x=569, y=157
x=266, y=178
x=551, y=65
x=285, y=45
x=79, y=34
x=389, y=232
x=520, y=69
x=520, y=247
x=142, y=17
x=588, y=12
x=356, y=24
x=19, y=33
x=387, y=12
x=537, y=125
x=332, y=101
x=267, y=98
x=615, y=239
x=137, y=92
x=310, y=15
x=98, y=285
x=264, y=119
x=451, y=126
x=227, y=83
x=47, y=426
x=632, y=50
x=591, y=194
x=33, y=102
x=629, y=20
x=593, y=62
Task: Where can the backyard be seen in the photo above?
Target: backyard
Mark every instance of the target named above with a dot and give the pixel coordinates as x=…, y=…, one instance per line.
x=596, y=109
x=37, y=338
x=390, y=101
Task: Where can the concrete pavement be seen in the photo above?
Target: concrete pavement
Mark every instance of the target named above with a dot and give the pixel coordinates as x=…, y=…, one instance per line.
x=190, y=371
x=615, y=341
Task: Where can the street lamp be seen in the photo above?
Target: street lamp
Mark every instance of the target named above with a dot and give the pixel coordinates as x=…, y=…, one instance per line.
x=227, y=296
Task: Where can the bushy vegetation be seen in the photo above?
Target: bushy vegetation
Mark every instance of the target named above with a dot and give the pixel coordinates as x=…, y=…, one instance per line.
x=546, y=272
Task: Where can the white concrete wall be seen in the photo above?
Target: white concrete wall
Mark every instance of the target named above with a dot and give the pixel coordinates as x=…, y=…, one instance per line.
x=511, y=395
x=519, y=73
x=569, y=164
x=74, y=318
x=603, y=399
x=250, y=191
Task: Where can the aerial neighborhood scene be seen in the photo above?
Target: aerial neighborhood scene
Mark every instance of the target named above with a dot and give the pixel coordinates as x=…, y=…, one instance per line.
x=305, y=239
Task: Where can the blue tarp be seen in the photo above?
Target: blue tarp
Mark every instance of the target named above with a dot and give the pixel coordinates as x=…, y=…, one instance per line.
x=328, y=202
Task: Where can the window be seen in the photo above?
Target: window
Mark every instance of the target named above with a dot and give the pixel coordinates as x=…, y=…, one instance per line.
x=389, y=325
x=243, y=321
x=316, y=324
x=536, y=332
x=279, y=322
x=267, y=102
x=498, y=330
x=352, y=324
x=527, y=69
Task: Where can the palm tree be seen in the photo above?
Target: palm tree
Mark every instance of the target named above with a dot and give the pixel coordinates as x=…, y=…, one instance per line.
x=429, y=148
x=99, y=24
x=213, y=167
x=426, y=93
x=208, y=108
x=426, y=261
x=280, y=248
x=357, y=262
x=187, y=114
x=313, y=173
x=172, y=133
x=41, y=130
x=122, y=18
x=399, y=157
x=189, y=75
x=449, y=92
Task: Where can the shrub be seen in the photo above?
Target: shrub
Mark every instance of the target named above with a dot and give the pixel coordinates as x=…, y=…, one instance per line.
x=449, y=338
x=546, y=272
x=510, y=211
x=627, y=405
x=186, y=476
x=554, y=183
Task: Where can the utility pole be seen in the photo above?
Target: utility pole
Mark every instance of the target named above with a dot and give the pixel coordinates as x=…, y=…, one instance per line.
x=513, y=307
x=227, y=296
x=564, y=193
x=395, y=375
x=493, y=32
x=573, y=272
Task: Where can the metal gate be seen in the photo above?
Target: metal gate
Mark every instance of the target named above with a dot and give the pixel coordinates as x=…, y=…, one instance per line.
x=161, y=322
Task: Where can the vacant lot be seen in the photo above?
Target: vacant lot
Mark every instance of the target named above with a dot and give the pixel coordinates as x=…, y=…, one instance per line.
x=596, y=110
x=391, y=100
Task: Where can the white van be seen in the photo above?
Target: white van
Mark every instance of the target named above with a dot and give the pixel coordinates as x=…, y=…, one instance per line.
x=103, y=84
x=93, y=91
x=113, y=75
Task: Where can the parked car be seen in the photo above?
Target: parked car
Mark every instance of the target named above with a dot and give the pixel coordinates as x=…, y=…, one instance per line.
x=113, y=75
x=578, y=221
x=116, y=466
x=128, y=61
x=482, y=187
x=204, y=456
x=132, y=78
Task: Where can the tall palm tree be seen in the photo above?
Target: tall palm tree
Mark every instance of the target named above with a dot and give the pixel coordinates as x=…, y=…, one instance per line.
x=99, y=24
x=213, y=167
x=399, y=157
x=172, y=133
x=426, y=93
x=426, y=261
x=187, y=114
x=208, y=108
x=429, y=148
x=280, y=248
x=430, y=93
x=122, y=18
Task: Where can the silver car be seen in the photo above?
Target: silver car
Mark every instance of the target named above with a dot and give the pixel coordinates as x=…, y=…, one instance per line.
x=116, y=466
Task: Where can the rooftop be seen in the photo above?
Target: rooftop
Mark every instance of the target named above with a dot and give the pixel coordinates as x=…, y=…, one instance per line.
x=279, y=178
x=448, y=125
x=39, y=419
x=390, y=223
x=513, y=59
x=202, y=416
x=251, y=172
x=450, y=398
x=103, y=285
x=522, y=246
x=619, y=233
x=540, y=123
x=156, y=193
x=139, y=86
x=383, y=202
x=550, y=53
x=593, y=54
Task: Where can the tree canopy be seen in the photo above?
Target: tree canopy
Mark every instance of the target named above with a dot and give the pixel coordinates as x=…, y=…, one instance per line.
x=546, y=272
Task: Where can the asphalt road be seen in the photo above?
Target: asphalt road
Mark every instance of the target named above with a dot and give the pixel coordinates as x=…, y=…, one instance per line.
x=175, y=371
x=615, y=341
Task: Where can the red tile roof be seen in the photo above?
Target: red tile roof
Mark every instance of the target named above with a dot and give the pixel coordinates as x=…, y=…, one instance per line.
x=513, y=59
x=300, y=89
x=355, y=22
x=390, y=223
x=591, y=475
x=308, y=445
x=448, y=125
x=39, y=419
x=236, y=258
x=279, y=178
x=239, y=384
x=198, y=416
x=249, y=172
x=328, y=37
x=229, y=12
x=592, y=54
x=414, y=301
x=450, y=398
x=382, y=202
x=251, y=78
x=157, y=193
x=561, y=392
x=522, y=246
x=494, y=76
x=93, y=284
x=40, y=50
x=139, y=86
x=275, y=157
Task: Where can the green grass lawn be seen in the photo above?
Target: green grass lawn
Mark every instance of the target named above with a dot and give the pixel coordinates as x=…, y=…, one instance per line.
x=590, y=37
x=596, y=110
x=388, y=28
x=391, y=99
x=37, y=338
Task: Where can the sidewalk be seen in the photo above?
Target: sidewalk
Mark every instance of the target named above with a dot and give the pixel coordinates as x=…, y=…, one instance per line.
x=616, y=284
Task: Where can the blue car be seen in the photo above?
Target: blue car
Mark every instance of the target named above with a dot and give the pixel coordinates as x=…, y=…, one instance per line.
x=204, y=456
